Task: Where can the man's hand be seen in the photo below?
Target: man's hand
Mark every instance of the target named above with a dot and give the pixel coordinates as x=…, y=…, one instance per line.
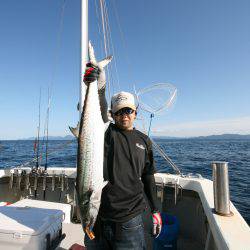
x=91, y=73
x=157, y=224
x=95, y=70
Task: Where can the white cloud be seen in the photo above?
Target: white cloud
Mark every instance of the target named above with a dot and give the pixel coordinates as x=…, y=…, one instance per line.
x=239, y=125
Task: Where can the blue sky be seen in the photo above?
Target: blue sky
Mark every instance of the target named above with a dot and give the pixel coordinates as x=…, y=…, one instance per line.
x=201, y=47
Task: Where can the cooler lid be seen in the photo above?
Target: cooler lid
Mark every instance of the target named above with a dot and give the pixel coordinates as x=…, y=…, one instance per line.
x=27, y=220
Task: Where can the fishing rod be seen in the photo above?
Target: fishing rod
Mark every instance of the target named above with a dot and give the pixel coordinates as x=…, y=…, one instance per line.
x=38, y=131
x=38, y=146
x=46, y=130
x=47, y=136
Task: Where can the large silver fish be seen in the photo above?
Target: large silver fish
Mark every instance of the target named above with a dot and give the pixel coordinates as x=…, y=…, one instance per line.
x=89, y=180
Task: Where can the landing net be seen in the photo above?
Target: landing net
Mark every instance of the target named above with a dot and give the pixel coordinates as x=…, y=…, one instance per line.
x=157, y=98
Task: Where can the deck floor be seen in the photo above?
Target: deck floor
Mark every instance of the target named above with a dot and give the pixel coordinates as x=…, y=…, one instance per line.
x=74, y=234
x=183, y=243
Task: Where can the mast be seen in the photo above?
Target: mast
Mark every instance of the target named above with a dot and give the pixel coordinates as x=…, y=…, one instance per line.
x=84, y=50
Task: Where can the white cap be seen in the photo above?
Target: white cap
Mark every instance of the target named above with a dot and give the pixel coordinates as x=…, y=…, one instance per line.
x=122, y=100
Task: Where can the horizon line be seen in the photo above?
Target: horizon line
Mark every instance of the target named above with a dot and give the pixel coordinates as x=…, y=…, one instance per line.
x=153, y=135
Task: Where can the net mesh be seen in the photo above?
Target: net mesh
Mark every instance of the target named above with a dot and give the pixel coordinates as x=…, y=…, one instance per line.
x=156, y=98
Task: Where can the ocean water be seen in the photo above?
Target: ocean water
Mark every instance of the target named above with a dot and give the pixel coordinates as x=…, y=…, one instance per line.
x=190, y=155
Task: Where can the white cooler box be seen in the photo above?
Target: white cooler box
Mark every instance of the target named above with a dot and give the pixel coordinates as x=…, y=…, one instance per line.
x=65, y=208
x=29, y=227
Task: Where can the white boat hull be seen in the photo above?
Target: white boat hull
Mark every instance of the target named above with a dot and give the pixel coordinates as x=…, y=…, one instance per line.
x=189, y=198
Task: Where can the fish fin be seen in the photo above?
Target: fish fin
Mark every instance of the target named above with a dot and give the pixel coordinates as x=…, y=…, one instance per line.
x=75, y=131
x=92, y=58
x=93, y=61
x=105, y=62
x=104, y=184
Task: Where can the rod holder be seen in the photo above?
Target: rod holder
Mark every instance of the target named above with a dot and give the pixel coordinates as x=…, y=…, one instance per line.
x=53, y=182
x=221, y=188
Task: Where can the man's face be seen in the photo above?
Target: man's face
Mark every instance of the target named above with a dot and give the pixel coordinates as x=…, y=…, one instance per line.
x=124, y=118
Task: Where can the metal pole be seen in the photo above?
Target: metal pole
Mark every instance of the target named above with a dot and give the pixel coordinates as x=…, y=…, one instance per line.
x=84, y=51
x=151, y=118
x=221, y=188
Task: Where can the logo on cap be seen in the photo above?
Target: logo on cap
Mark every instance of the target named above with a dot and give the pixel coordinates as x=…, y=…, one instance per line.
x=120, y=98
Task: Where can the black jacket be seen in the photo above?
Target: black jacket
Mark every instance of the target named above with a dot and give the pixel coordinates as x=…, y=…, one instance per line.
x=129, y=168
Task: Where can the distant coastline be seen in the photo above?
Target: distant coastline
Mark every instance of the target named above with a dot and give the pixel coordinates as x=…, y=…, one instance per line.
x=210, y=137
x=53, y=138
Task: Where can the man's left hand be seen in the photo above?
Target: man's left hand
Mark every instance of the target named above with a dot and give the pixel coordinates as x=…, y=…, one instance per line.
x=91, y=73
x=157, y=224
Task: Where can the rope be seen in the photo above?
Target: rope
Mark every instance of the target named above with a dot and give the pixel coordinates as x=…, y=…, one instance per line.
x=58, y=45
x=123, y=40
x=109, y=41
x=113, y=52
x=109, y=46
x=98, y=25
x=103, y=27
x=105, y=42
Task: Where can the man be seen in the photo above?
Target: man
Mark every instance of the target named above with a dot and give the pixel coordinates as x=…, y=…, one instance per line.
x=129, y=169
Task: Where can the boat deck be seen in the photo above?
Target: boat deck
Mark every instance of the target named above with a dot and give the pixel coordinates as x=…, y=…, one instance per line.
x=188, y=198
x=74, y=234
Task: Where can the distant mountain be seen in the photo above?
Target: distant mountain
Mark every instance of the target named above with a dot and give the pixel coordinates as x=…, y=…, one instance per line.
x=167, y=138
x=210, y=137
x=225, y=137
